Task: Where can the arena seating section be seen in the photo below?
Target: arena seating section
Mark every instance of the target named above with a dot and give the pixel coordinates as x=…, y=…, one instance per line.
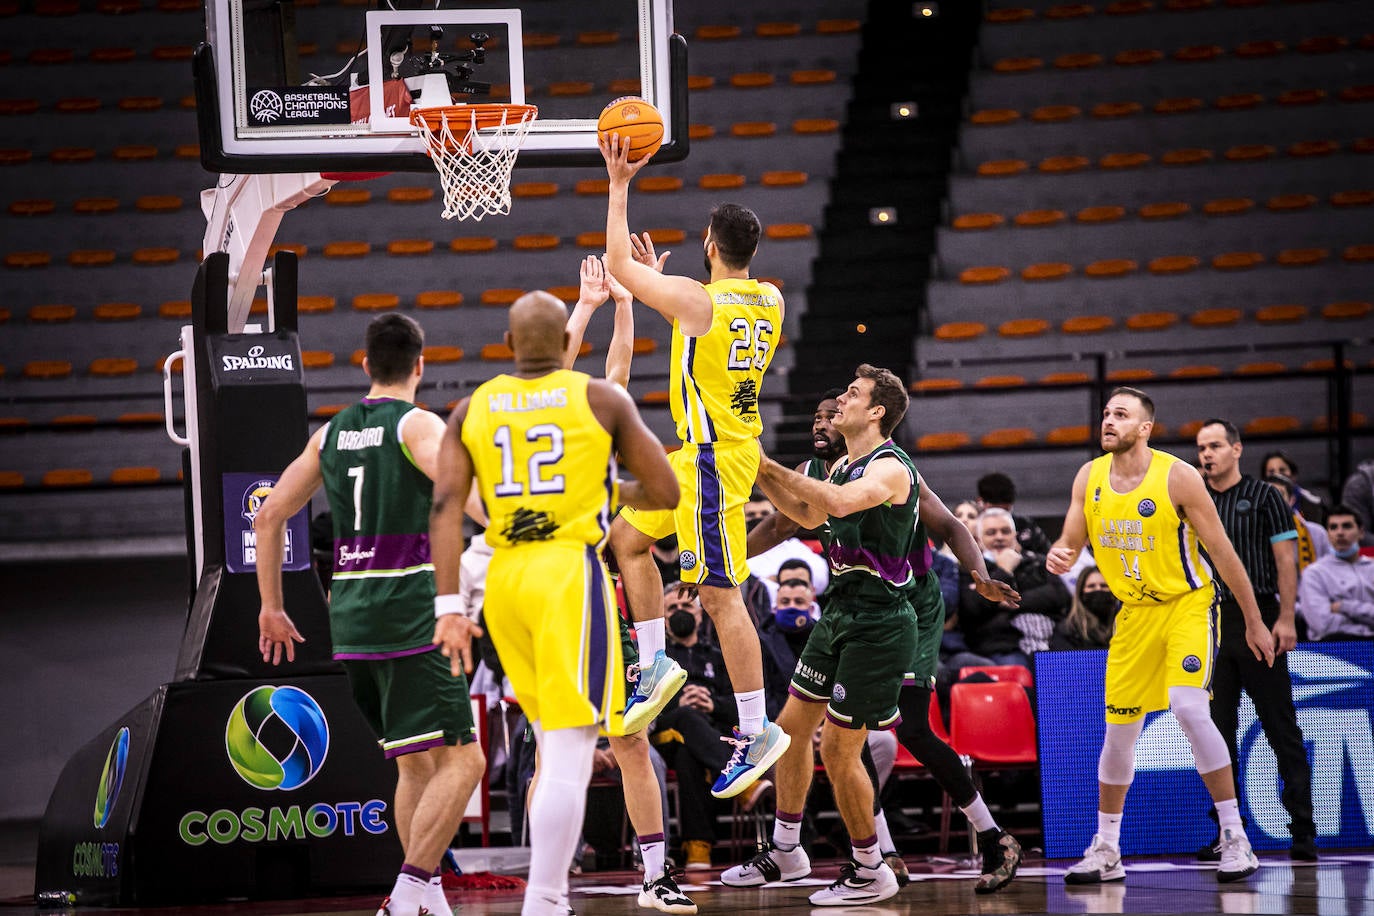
x=1174, y=192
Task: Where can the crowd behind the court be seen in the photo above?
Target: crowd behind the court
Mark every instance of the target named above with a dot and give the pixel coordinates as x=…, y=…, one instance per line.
x=785, y=593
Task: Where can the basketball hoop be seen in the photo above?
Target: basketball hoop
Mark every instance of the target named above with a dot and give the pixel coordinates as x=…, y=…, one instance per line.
x=474, y=148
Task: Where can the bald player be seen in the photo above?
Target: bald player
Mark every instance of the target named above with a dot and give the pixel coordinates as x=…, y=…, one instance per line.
x=540, y=444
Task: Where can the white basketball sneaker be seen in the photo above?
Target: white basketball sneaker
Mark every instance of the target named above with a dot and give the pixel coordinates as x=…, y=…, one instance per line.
x=1101, y=862
x=858, y=885
x=1237, y=858
x=768, y=865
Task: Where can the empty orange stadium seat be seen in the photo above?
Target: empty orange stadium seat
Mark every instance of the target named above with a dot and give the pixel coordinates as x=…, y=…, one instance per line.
x=659, y=396
x=1237, y=260
x=938, y=442
x=1130, y=375
x=442, y=353
x=1110, y=267
x=1267, y=367
x=815, y=126
x=700, y=82
x=723, y=181
x=1249, y=152
x=1237, y=101
x=598, y=37
x=1197, y=371
x=936, y=384
x=1268, y=426
x=752, y=80
x=33, y=207
x=438, y=299
x=1062, y=164
x=1301, y=257
x=1197, y=53
x=1069, y=11
x=974, y=276
x=1081, y=60
x=1049, y=270
x=1322, y=44
x=501, y=296
x=4, y=314
x=658, y=184
x=178, y=367
x=1362, y=145
x=1123, y=160
x=113, y=366
x=346, y=249
x=314, y=305
x=376, y=302
x=1087, y=324
x=1100, y=214
x=94, y=205
x=1068, y=435
x=1362, y=93
x=1010, y=437
x=74, y=421
x=91, y=257
x=990, y=117
x=1346, y=311
x=786, y=231
x=1260, y=48
x=976, y=221
x=777, y=29
x=644, y=346
x=1174, y=264
x=476, y=244
x=1358, y=254
x=819, y=77
x=592, y=187
x=591, y=240
x=1136, y=57
x=22, y=260
x=1228, y=206
x=1037, y=218
x=570, y=88
x=1009, y=14
x=1065, y=378
x=140, y=418
x=347, y=197
x=534, y=189
x=717, y=32
x=1189, y=429
x=1307, y=149
x=1000, y=381
x=1172, y=209
x=410, y=194
x=135, y=152
x=838, y=26
x=135, y=475
x=1324, y=365
x=1351, y=199
x=1186, y=156
x=535, y=242
x=52, y=314
x=1301, y=97
x=72, y=154
x=1002, y=168
x=1115, y=109
x=1128, y=7
x=1286, y=203
x=1151, y=321
x=317, y=359
x=159, y=203
x=753, y=129
x=325, y=411
x=1023, y=327
x=1178, y=105
x=159, y=254
x=82, y=105
x=667, y=236
x=1215, y=317
x=497, y=352
x=1017, y=64
x=410, y=247
x=1281, y=314
x=67, y=477
x=175, y=308
x=960, y=330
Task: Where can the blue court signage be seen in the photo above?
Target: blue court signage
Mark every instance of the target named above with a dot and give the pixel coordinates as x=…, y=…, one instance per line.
x=1166, y=810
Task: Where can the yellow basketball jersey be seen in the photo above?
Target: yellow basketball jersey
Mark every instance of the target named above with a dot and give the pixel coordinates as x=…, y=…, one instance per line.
x=716, y=377
x=1147, y=554
x=545, y=465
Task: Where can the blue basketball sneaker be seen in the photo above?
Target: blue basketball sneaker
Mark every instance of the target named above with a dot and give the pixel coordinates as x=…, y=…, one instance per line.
x=754, y=754
x=659, y=681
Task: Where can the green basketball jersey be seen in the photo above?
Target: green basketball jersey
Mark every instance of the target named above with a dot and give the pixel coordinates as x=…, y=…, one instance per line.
x=878, y=553
x=815, y=468
x=382, y=597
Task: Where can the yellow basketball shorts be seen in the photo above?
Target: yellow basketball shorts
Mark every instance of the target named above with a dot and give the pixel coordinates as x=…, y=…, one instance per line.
x=1157, y=647
x=552, y=617
x=716, y=479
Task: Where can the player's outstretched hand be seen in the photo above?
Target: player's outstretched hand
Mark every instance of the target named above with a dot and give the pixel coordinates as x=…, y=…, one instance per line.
x=1060, y=560
x=619, y=168
x=998, y=591
x=642, y=250
x=1260, y=640
x=620, y=294
x=276, y=633
x=453, y=634
x=593, y=286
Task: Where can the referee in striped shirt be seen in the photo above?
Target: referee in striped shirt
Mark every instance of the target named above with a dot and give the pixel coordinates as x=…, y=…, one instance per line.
x=1260, y=526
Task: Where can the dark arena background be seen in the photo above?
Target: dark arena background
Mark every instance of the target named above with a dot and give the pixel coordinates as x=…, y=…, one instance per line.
x=1016, y=205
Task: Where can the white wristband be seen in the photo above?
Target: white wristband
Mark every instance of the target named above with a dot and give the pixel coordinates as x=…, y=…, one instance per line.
x=448, y=604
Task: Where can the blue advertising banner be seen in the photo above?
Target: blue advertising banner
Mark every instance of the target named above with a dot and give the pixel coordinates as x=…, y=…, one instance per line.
x=1166, y=810
x=243, y=496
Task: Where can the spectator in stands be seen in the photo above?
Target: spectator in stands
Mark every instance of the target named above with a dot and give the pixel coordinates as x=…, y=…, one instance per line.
x=783, y=633
x=1092, y=617
x=1358, y=495
x=1312, y=541
x=1337, y=591
x=1307, y=504
x=1044, y=597
x=997, y=491
x=767, y=565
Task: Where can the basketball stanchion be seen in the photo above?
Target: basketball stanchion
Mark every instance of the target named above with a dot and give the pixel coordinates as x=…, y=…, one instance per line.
x=474, y=148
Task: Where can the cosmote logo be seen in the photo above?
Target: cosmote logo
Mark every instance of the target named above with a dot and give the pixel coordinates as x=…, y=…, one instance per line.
x=111, y=778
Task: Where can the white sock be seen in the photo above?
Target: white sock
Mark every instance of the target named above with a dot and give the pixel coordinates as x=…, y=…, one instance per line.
x=752, y=713
x=884, y=835
x=652, y=854
x=978, y=814
x=406, y=895
x=869, y=856
x=556, y=812
x=786, y=833
x=1109, y=827
x=649, y=637
x=434, y=899
x=544, y=901
x=1228, y=817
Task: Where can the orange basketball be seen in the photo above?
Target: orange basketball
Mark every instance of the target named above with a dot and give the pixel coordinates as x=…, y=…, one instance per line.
x=636, y=121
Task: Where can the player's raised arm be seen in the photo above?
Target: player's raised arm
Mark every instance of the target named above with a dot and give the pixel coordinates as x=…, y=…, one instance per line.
x=655, y=485
x=276, y=632
x=453, y=632
x=620, y=351
x=679, y=299
x=887, y=480
x=592, y=291
x=1064, y=553
x=777, y=527
x=1189, y=493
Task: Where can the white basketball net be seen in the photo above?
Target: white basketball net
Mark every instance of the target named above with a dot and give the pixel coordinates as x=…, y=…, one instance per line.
x=474, y=164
